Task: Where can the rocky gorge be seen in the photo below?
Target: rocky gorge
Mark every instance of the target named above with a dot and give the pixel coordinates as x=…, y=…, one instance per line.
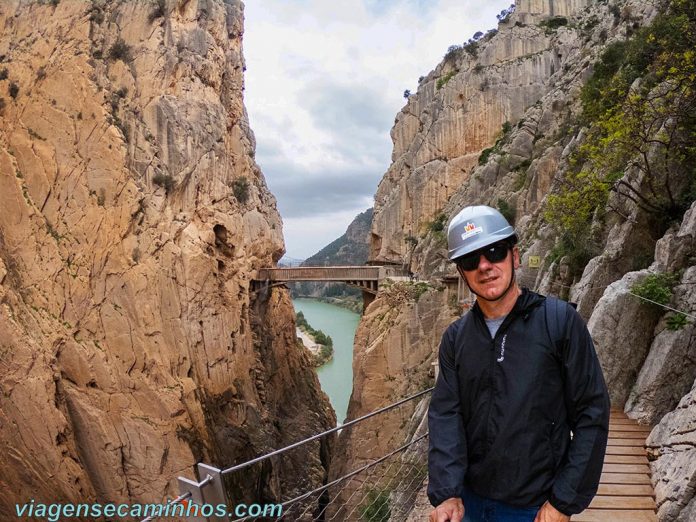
x=132, y=219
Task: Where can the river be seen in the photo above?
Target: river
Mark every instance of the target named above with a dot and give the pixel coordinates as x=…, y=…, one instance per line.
x=336, y=376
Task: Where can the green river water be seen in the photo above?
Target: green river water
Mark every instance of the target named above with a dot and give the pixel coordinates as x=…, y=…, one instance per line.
x=336, y=376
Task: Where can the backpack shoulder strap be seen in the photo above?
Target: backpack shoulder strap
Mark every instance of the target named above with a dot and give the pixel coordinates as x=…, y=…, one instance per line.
x=556, y=311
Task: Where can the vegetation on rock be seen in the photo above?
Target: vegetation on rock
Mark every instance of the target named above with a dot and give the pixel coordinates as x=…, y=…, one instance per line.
x=640, y=110
x=326, y=352
x=240, y=189
x=376, y=506
x=164, y=180
x=656, y=287
x=120, y=50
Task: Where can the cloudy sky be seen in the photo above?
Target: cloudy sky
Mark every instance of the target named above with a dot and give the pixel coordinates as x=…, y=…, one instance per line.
x=324, y=82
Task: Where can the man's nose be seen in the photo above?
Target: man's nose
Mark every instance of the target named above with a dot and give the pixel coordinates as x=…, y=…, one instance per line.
x=484, y=264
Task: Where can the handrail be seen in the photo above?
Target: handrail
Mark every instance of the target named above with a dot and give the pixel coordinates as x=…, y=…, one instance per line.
x=261, y=458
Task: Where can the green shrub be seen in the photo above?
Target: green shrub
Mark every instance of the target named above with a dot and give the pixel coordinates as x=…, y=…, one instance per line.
x=485, y=154
x=507, y=211
x=13, y=90
x=120, y=50
x=677, y=321
x=520, y=180
x=442, y=80
x=240, y=189
x=438, y=224
x=554, y=23
x=4, y=73
x=453, y=52
x=411, y=240
x=376, y=507
x=471, y=48
x=577, y=249
x=656, y=287
x=164, y=180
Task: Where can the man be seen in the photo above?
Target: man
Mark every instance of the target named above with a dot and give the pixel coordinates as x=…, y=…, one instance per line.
x=518, y=375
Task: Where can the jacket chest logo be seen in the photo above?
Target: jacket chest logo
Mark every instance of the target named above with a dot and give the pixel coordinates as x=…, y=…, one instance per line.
x=502, y=350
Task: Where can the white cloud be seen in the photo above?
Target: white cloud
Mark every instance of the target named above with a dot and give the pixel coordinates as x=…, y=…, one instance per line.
x=324, y=82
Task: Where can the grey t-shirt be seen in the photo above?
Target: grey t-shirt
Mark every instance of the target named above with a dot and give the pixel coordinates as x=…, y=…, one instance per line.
x=494, y=324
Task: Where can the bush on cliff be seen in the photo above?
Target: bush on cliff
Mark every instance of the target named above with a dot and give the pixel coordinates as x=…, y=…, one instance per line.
x=640, y=110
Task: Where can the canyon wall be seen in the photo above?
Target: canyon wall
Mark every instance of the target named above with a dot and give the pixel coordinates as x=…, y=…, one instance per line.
x=132, y=220
x=498, y=122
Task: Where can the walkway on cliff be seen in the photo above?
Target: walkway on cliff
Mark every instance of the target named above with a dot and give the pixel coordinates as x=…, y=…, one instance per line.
x=625, y=492
x=367, y=278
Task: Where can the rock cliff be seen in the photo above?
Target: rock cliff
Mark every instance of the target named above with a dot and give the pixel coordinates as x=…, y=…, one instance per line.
x=132, y=220
x=500, y=121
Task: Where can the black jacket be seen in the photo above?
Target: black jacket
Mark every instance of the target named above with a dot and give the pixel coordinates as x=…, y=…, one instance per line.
x=503, y=409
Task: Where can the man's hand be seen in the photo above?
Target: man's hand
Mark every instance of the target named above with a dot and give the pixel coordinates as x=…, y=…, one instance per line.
x=548, y=513
x=451, y=510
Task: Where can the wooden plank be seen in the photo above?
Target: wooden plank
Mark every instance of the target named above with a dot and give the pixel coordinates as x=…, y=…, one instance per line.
x=626, y=468
x=628, y=435
x=626, y=459
x=624, y=478
x=631, y=427
x=617, y=441
x=615, y=515
x=602, y=502
x=616, y=414
x=625, y=490
x=626, y=450
x=621, y=420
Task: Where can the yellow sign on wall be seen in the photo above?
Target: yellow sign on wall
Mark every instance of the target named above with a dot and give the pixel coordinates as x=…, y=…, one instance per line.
x=534, y=261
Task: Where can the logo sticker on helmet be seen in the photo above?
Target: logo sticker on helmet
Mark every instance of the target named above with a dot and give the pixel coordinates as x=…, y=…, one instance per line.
x=471, y=230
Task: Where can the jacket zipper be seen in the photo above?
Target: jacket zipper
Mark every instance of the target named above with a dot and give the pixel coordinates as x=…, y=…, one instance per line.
x=503, y=328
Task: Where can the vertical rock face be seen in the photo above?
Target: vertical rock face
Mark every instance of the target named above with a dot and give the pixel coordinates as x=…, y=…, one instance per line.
x=461, y=108
x=670, y=367
x=672, y=448
x=393, y=349
x=132, y=219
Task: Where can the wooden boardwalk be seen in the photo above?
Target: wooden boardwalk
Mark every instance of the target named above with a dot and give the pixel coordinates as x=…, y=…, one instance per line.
x=625, y=493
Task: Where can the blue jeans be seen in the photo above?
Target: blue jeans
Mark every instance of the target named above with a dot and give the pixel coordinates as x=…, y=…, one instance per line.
x=480, y=509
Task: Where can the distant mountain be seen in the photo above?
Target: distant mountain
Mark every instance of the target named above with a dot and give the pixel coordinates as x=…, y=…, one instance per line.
x=288, y=261
x=351, y=248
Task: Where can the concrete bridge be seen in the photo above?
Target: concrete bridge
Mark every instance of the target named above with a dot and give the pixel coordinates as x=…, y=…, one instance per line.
x=367, y=278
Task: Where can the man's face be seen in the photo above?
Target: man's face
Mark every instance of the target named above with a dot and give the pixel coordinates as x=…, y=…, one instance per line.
x=490, y=280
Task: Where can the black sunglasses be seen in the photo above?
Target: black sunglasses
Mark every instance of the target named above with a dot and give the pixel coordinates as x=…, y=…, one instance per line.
x=495, y=253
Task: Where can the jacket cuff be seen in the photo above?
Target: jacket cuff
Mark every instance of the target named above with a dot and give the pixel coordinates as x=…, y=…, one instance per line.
x=438, y=497
x=561, y=506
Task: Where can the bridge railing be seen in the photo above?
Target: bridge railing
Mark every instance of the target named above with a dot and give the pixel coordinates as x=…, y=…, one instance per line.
x=332, y=273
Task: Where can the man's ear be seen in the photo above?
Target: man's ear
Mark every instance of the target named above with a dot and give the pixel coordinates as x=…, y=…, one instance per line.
x=516, y=257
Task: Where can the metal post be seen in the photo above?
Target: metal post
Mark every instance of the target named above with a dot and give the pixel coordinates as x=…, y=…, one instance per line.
x=209, y=490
